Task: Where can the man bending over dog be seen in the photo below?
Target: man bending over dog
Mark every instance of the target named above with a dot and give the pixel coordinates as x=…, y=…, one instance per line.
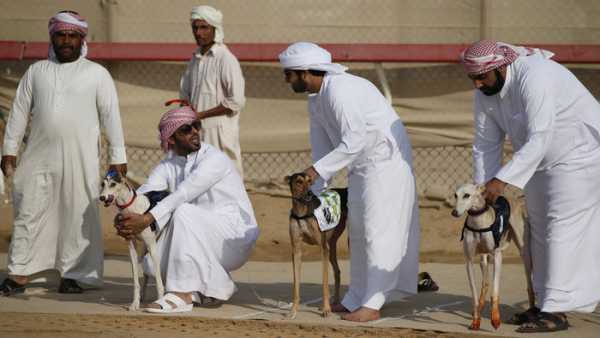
x=352, y=125
x=57, y=223
x=211, y=228
x=553, y=123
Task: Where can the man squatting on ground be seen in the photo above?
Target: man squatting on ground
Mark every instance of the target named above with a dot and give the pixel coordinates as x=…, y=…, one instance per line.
x=214, y=85
x=56, y=222
x=553, y=123
x=352, y=125
x=211, y=228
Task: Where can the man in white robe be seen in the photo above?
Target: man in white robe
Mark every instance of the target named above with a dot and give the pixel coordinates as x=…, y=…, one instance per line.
x=553, y=123
x=214, y=85
x=212, y=229
x=353, y=126
x=65, y=99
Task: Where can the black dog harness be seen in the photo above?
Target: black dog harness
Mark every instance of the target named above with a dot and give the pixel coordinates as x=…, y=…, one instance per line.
x=500, y=225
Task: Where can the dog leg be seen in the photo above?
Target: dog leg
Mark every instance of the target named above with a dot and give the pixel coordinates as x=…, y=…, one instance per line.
x=150, y=242
x=528, y=264
x=135, y=304
x=296, y=264
x=326, y=310
x=335, y=267
x=485, y=281
x=471, y=276
x=496, y=288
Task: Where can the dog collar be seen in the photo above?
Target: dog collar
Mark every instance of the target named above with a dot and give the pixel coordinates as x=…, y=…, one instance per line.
x=126, y=205
x=478, y=212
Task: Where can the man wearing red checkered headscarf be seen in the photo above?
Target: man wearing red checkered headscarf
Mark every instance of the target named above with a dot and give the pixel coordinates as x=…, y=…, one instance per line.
x=211, y=225
x=56, y=219
x=553, y=123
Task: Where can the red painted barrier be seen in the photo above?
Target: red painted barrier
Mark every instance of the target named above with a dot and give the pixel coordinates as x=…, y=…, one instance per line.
x=267, y=52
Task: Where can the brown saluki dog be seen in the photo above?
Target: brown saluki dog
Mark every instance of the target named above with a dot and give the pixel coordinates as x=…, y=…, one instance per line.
x=305, y=228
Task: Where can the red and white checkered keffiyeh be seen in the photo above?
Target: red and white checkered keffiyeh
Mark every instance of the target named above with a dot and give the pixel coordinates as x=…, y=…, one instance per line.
x=67, y=21
x=486, y=55
x=172, y=120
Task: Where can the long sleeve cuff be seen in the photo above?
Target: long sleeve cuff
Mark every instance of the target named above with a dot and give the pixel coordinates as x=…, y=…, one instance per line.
x=10, y=148
x=117, y=155
x=160, y=217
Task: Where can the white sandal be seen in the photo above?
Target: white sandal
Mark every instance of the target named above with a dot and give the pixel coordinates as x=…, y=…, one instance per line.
x=166, y=307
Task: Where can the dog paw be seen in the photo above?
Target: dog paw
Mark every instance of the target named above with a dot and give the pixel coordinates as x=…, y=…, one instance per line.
x=291, y=315
x=325, y=313
x=496, y=323
x=475, y=324
x=134, y=306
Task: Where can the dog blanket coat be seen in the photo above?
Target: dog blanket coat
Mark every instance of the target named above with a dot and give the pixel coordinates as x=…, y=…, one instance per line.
x=211, y=225
x=56, y=185
x=553, y=123
x=329, y=212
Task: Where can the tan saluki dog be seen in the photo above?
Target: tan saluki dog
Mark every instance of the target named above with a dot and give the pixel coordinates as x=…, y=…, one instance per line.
x=478, y=239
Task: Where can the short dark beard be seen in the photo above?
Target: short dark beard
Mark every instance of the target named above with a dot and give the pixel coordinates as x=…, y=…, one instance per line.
x=299, y=86
x=496, y=88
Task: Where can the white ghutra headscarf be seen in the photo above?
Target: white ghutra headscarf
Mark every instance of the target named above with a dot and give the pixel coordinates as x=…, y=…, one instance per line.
x=307, y=55
x=214, y=18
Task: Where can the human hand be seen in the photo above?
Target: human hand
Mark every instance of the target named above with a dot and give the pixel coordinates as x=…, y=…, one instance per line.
x=120, y=168
x=493, y=189
x=129, y=225
x=311, y=173
x=8, y=165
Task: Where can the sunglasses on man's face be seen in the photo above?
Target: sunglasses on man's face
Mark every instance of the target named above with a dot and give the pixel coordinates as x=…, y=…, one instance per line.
x=188, y=128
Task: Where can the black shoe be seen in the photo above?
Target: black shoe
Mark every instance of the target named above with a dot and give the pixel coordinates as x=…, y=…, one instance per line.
x=10, y=288
x=69, y=286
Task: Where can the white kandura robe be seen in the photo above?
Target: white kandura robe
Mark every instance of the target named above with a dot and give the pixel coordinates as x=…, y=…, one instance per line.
x=553, y=123
x=56, y=184
x=212, y=229
x=210, y=80
x=352, y=125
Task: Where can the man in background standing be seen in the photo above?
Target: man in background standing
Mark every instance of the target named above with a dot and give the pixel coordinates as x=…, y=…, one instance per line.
x=56, y=185
x=214, y=85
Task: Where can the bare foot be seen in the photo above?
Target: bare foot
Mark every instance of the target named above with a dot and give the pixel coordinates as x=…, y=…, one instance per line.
x=338, y=307
x=364, y=314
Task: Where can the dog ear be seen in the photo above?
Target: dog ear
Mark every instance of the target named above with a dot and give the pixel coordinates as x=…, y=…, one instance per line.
x=480, y=188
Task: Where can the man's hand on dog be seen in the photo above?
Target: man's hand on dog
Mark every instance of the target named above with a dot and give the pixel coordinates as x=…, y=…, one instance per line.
x=129, y=225
x=493, y=189
x=311, y=173
x=8, y=165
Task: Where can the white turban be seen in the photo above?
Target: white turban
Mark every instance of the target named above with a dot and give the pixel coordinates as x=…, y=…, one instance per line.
x=214, y=18
x=307, y=55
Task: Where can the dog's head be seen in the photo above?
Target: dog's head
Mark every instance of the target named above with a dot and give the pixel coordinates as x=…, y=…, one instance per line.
x=299, y=184
x=112, y=185
x=468, y=196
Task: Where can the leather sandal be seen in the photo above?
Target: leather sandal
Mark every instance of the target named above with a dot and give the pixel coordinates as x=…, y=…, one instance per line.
x=545, y=322
x=10, y=288
x=426, y=283
x=528, y=315
x=207, y=302
x=69, y=286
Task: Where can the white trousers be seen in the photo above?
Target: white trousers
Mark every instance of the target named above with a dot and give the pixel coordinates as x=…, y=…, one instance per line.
x=200, y=248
